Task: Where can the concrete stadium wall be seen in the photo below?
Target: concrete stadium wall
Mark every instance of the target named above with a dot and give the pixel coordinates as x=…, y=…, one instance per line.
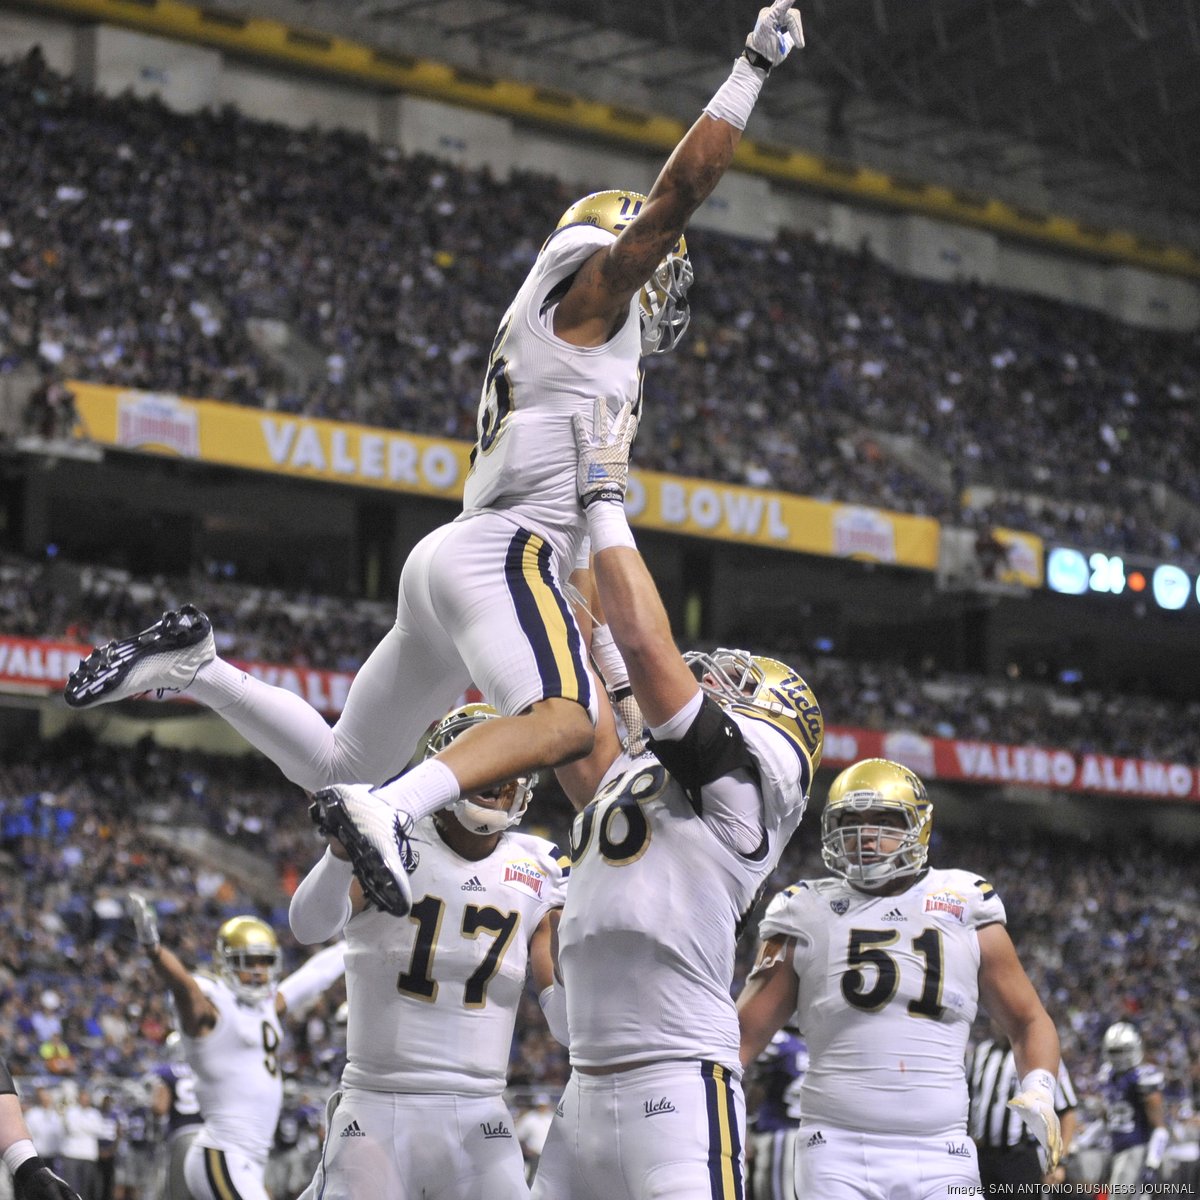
x=300, y=101
x=189, y=77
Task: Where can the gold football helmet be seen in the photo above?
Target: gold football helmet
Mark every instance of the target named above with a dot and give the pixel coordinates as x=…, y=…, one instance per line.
x=663, y=300
x=248, y=957
x=851, y=844
x=1122, y=1046
x=737, y=678
x=477, y=818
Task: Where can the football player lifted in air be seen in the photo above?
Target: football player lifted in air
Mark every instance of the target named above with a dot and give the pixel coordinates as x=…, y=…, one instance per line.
x=481, y=599
x=433, y=998
x=666, y=863
x=231, y=1038
x=1133, y=1109
x=882, y=967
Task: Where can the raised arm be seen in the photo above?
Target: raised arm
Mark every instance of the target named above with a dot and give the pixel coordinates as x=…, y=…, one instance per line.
x=604, y=285
x=310, y=979
x=197, y=1013
x=662, y=682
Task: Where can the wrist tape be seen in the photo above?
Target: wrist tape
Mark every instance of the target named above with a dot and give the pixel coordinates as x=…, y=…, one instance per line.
x=734, y=99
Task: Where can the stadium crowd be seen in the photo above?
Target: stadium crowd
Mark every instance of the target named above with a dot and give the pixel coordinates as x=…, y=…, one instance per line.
x=1107, y=932
x=89, y=604
x=137, y=244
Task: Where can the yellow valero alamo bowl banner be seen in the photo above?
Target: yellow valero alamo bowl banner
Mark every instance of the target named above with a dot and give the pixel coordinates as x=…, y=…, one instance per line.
x=339, y=452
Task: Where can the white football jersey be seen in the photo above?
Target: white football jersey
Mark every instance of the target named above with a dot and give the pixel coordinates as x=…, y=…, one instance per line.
x=523, y=464
x=433, y=995
x=238, y=1079
x=647, y=939
x=888, y=988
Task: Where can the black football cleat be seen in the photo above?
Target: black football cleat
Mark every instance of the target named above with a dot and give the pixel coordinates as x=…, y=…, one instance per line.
x=163, y=658
x=376, y=838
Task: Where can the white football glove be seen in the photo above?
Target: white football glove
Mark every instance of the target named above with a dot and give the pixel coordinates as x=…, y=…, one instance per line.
x=145, y=921
x=776, y=33
x=603, y=467
x=1034, y=1104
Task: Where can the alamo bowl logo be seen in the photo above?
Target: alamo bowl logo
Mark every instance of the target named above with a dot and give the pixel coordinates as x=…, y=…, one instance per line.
x=524, y=876
x=840, y=906
x=946, y=904
x=863, y=533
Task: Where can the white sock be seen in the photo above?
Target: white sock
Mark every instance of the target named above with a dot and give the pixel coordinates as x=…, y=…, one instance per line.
x=288, y=730
x=428, y=787
x=218, y=683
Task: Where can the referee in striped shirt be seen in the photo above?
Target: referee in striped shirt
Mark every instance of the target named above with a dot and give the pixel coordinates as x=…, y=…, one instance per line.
x=1007, y=1154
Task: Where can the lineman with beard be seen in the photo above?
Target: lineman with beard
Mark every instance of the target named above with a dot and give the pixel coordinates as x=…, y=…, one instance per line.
x=666, y=862
x=231, y=1038
x=32, y=1179
x=882, y=968
x=481, y=599
x=433, y=996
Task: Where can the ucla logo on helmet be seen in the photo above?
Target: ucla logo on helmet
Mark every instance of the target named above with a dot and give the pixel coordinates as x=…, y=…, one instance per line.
x=793, y=693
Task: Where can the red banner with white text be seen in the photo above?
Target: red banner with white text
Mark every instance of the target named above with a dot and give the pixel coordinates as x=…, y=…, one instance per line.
x=40, y=667
x=961, y=761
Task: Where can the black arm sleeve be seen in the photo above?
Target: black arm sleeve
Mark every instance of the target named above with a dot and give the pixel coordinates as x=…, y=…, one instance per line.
x=7, y=1086
x=712, y=748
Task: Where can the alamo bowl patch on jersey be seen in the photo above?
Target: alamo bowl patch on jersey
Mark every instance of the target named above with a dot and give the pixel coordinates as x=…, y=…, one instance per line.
x=946, y=903
x=524, y=875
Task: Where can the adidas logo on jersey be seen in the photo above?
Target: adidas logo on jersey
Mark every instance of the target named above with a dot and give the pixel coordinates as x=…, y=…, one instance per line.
x=352, y=1130
x=894, y=915
x=815, y=1140
x=473, y=885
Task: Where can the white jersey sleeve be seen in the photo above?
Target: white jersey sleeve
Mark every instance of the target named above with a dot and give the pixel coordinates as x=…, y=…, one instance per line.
x=239, y=1082
x=785, y=768
x=746, y=773
x=887, y=988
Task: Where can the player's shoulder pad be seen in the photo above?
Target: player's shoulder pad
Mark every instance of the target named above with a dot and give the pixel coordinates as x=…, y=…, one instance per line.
x=572, y=246
x=713, y=747
x=537, y=865
x=982, y=904
x=1149, y=1076
x=782, y=760
x=786, y=914
x=544, y=852
x=215, y=988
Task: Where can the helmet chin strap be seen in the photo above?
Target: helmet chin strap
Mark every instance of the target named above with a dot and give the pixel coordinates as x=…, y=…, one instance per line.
x=475, y=818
